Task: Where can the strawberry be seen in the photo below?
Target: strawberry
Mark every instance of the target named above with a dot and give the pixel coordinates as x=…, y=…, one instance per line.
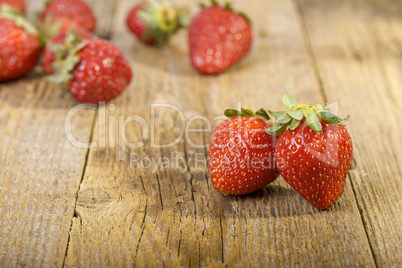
x=314, y=153
x=77, y=11
x=19, y=43
x=16, y=4
x=241, y=153
x=154, y=24
x=93, y=70
x=218, y=39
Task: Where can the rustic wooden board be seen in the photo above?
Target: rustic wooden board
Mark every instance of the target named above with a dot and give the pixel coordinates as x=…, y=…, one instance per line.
x=129, y=215
x=358, y=48
x=40, y=169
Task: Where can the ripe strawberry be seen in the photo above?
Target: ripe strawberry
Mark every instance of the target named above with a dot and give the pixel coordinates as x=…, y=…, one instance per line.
x=19, y=43
x=218, y=38
x=77, y=11
x=16, y=4
x=94, y=70
x=154, y=24
x=241, y=153
x=314, y=153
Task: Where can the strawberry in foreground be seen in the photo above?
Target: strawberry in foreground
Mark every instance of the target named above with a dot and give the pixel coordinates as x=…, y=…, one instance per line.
x=241, y=153
x=94, y=70
x=218, y=39
x=19, y=44
x=154, y=24
x=314, y=153
x=76, y=11
x=16, y=4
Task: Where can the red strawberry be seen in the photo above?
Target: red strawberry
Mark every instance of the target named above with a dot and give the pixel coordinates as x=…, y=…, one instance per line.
x=49, y=56
x=218, y=39
x=19, y=43
x=77, y=11
x=241, y=153
x=314, y=153
x=154, y=24
x=94, y=70
x=16, y=4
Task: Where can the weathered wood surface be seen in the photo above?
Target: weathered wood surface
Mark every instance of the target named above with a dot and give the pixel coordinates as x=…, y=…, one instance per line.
x=358, y=48
x=173, y=218
x=40, y=171
x=65, y=206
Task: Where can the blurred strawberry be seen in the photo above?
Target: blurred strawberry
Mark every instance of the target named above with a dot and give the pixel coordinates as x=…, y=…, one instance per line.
x=218, y=38
x=76, y=11
x=94, y=70
x=154, y=24
x=19, y=43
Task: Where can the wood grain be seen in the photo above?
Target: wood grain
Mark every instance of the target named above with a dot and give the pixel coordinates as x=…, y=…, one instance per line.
x=358, y=51
x=127, y=215
x=40, y=169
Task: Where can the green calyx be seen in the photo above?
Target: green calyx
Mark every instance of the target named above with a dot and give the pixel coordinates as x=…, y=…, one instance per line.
x=66, y=58
x=162, y=20
x=8, y=12
x=48, y=28
x=261, y=113
x=290, y=120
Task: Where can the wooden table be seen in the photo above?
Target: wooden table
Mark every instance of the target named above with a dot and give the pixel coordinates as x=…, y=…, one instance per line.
x=62, y=205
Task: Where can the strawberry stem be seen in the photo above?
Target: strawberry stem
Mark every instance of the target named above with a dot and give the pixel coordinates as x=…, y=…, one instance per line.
x=162, y=20
x=291, y=119
x=66, y=58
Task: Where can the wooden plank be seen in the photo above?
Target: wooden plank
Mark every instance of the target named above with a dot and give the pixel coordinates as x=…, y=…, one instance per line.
x=40, y=169
x=127, y=215
x=358, y=52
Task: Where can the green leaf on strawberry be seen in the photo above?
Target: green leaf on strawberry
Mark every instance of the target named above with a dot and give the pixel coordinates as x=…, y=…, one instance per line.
x=289, y=101
x=311, y=113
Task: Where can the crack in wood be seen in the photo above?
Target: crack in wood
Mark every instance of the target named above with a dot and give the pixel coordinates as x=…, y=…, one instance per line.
x=79, y=188
x=143, y=187
x=159, y=189
x=220, y=223
x=364, y=223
